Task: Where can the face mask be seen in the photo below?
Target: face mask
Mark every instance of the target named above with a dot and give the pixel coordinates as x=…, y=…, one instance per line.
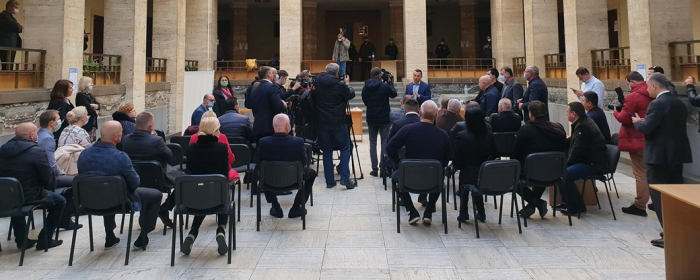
x=224, y=84
x=525, y=76
x=58, y=123
x=630, y=86
x=210, y=105
x=277, y=77
x=442, y=43
x=489, y=40
x=283, y=83
x=391, y=43
x=88, y=119
x=90, y=88
x=502, y=79
x=16, y=11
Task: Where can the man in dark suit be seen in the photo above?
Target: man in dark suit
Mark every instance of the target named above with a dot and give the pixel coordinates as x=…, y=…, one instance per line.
x=418, y=89
x=536, y=89
x=398, y=114
x=265, y=101
x=589, y=100
x=283, y=147
x=666, y=146
x=234, y=124
x=505, y=120
x=207, y=104
x=447, y=120
x=488, y=101
x=411, y=107
x=512, y=89
x=9, y=33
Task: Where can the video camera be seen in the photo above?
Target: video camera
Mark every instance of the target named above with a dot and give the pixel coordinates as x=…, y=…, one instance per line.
x=305, y=83
x=620, y=98
x=387, y=76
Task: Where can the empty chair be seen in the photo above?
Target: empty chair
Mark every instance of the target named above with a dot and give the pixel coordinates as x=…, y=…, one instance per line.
x=421, y=176
x=183, y=141
x=281, y=176
x=178, y=158
x=542, y=170
x=607, y=177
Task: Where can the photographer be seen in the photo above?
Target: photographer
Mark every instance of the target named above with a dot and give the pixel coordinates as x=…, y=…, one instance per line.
x=376, y=93
x=331, y=99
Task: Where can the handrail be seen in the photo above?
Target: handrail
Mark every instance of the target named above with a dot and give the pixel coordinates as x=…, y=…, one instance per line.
x=611, y=64
x=191, y=65
x=156, y=69
x=519, y=65
x=104, y=69
x=22, y=68
x=460, y=63
x=685, y=61
x=555, y=65
x=238, y=65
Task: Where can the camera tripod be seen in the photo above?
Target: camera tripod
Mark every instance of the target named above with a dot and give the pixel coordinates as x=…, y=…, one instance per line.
x=351, y=132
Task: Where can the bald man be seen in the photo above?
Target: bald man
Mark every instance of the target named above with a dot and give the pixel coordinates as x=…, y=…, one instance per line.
x=283, y=147
x=415, y=136
x=207, y=104
x=489, y=101
x=103, y=159
x=23, y=159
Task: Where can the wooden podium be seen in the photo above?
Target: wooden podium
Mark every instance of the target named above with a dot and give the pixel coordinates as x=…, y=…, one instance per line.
x=388, y=65
x=681, y=215
x=357, y=123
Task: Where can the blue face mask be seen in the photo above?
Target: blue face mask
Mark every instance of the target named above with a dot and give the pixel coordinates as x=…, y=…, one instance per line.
x=58, y=124
x=502, y=79
x=88, y=120
x=210, y=105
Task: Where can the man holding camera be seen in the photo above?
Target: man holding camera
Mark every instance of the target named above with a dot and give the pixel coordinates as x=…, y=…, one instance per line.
x=331, y=99
x=376, y=93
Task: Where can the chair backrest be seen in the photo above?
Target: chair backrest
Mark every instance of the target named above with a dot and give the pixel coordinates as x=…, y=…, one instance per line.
x=242, y=154
x=178, y=154
x=402, y=153
x=613, y=157
x=11, y=194
x=150, y=173
x=94, y=192
x=505, y=142
x=545, y=166
x=202, y=192
x=499, y=176
x=309, y=153
x=615, y=138
x=237, y=140
x=184, y=141
x=281, y=174
x=420, y=174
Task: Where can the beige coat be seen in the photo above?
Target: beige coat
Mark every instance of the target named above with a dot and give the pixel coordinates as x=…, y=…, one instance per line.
x=341, y=50
x=67, y=158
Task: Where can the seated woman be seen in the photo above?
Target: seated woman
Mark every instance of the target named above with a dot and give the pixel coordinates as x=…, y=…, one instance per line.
x=232, y=174
x=126, y=116
x=207, y=156
x=74, y=133
x=473, y=146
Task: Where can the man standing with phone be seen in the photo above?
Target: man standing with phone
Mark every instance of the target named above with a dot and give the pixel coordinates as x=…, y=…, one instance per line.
x=589, y=83
x=340, y=53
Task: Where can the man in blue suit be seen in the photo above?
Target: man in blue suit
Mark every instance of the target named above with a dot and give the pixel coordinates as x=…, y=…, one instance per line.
x=206, y=105
x=536, y=90
x=489, y=101
x=283, y=147
x=418, y=89
x=265, y=101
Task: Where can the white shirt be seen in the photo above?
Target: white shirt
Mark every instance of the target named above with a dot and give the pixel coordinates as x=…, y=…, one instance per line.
x=660, y=93
x=411, y=113
x=595, y=85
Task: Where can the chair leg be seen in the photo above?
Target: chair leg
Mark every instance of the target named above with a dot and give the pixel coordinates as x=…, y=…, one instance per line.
x=9, y=233
x=187, y=221
x=515, y=200
x=251, y=193
x=448, y=189
x=522, y=202
x=511, y=207
x=128, y=238
x=454, y=191
x=476, y=220
x=398, y=210
x=311, y=194
x=46, y=234
x=92, y=245
x=72, y=246
x=24, y=243
x=31, y=216
x=495, y=203
x=610, y=200
x=566, y=192
x=232, y=228
x=230, y=232
x=583, y=192
x=239, y=201
x=595, y=191
x=258, y=211
x=182, y=232
x=614, y=184
x=303, y=213
x=121, y=229
x=393, y=197
x=444, y=209
x=172, y=248
x=462, y=205
x=500, y=212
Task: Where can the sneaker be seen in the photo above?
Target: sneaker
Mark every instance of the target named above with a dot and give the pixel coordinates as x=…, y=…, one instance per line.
x=30, y=244
x=374, y=173
x=141, y=242
x=413, y=218
x=633, y=210
x=52, y=243
x=276, y=211
x=110, y=242
x=428, y=217
x=348, y=184
x=296, y=212
x=561, y=206
x=221, y=240
x=186, y=247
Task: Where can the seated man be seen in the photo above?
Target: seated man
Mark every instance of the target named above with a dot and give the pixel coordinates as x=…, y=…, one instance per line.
x=595, y=113
x=143, y=145
x=24, y=160
x=505, y=120
x=103, y=159
x=397, y=114
x=588, y=155
x=283, y=147
x=536, y=136
x=423, y=140
x=49, y=120
x=411, y=116
x=451, y=116
x=207, y=104
x=234, y=124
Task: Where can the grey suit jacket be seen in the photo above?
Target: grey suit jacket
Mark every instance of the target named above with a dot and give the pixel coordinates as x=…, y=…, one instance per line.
x=664, y=128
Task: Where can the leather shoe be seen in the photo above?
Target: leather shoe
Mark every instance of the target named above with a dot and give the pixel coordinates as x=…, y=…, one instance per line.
x=52, y=243
x=658, y=242
x=328, y=186
x=542, y=208
x=165, y=218
x=349, y=184
x=30, y=244
x=374, y=173
x=296, y=212
x=72, y=226
x=285, y=193
x=276, y=212
x=650, y=206
x=633, y=210
x=463, y=219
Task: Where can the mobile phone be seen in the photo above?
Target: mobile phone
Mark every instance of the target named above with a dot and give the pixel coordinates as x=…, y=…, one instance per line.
x=572, y=89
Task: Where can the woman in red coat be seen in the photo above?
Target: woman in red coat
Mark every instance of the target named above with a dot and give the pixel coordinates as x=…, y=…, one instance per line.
x=632, y=141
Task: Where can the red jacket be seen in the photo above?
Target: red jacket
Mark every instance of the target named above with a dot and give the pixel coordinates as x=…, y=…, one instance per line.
x=631, y=140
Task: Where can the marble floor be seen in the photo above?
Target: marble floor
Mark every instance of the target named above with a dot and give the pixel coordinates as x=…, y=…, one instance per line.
x=351, y=234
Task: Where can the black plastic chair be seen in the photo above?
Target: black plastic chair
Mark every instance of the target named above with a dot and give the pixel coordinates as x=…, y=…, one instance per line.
x=309, y=148
x=496, y=177
x=12, y=205
x=615, y=138
x=203, y=195
x=183, y=141
x=607, y=177
x=421, y=176
x=281, y=176
x=237, y=140
x=389, y=171
x=100, y=196
x=178, y=158
x=243, y=164
x=544, y=170
x=505, y=143
x=152, y=176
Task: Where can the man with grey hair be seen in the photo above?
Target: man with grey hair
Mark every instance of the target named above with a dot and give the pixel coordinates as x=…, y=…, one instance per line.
x=536, y=89
x=423, y=140
x=505, y=120
x=331, y=98
x=489, y=101
x=447, y=120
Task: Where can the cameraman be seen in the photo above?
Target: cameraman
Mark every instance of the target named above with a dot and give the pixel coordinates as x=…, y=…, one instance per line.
x=331, y=99
x=376, y=93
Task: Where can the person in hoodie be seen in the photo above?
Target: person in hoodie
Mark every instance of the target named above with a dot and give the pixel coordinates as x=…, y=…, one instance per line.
x=375, y=95
x=536, y=136
x=23, y=159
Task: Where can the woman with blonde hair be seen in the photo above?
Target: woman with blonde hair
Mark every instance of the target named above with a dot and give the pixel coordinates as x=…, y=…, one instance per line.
x=74, y=132
x=85, y=98
x=232, y=174
x=208, y=156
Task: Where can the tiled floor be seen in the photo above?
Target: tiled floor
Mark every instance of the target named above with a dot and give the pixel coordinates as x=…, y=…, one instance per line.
x=351, y=234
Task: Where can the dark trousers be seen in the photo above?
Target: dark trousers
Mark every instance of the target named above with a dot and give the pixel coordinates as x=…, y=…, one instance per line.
x=63, y=182
x=574, y=201
x=531, y=196
x=197, y=222
x=350, y=67
x=662, y=174
x=52, y=219
x=150, y=202
x=6, y=58
x=366, y=66
x=408, y=201
x=300, y=198
x=335, y=137
x=383, y=131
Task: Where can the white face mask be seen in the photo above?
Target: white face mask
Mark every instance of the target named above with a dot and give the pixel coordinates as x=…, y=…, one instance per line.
x=90, y=88
x=525, y=76
x=16, y=11
x=58, y=124
x=277, y=77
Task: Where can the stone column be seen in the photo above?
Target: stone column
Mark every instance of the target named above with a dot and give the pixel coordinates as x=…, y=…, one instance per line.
x=240, y=31
x=57, y=27
x=396, y=26
x=291, y=35
x=541, y=32
x=169, y=43
x=469, y=42
x=507, y=31
x=416, y=49
x=310, y=30
x=586, y=26
x=644, y=22
x=200, y=44
x=125, y=24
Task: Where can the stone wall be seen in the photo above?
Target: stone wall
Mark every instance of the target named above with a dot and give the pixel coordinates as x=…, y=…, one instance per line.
x=14, y=114
x=109, y=103
x=159, y=98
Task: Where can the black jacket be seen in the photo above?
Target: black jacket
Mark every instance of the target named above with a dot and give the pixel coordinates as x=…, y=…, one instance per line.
x=587, y=145
x=513, y=91
x=265, y=102
x=398, y=124
x=376, y=96
x=208, y=156
x=532, y=138
x=469, y=152
x=598, y=116
x=24, y=160
x=536, y=90
x=664, y=128
x=442, y=50
x=422, y=141
x=366, y=51
x=331, y=98
x=220, y=104
x=391, y=51
x=236, y=125
x=505, y=122
x=63, y=107
x=693, y=97
x=85, y=99
x=9, y=31
x=281, y=147
x=145, y=145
